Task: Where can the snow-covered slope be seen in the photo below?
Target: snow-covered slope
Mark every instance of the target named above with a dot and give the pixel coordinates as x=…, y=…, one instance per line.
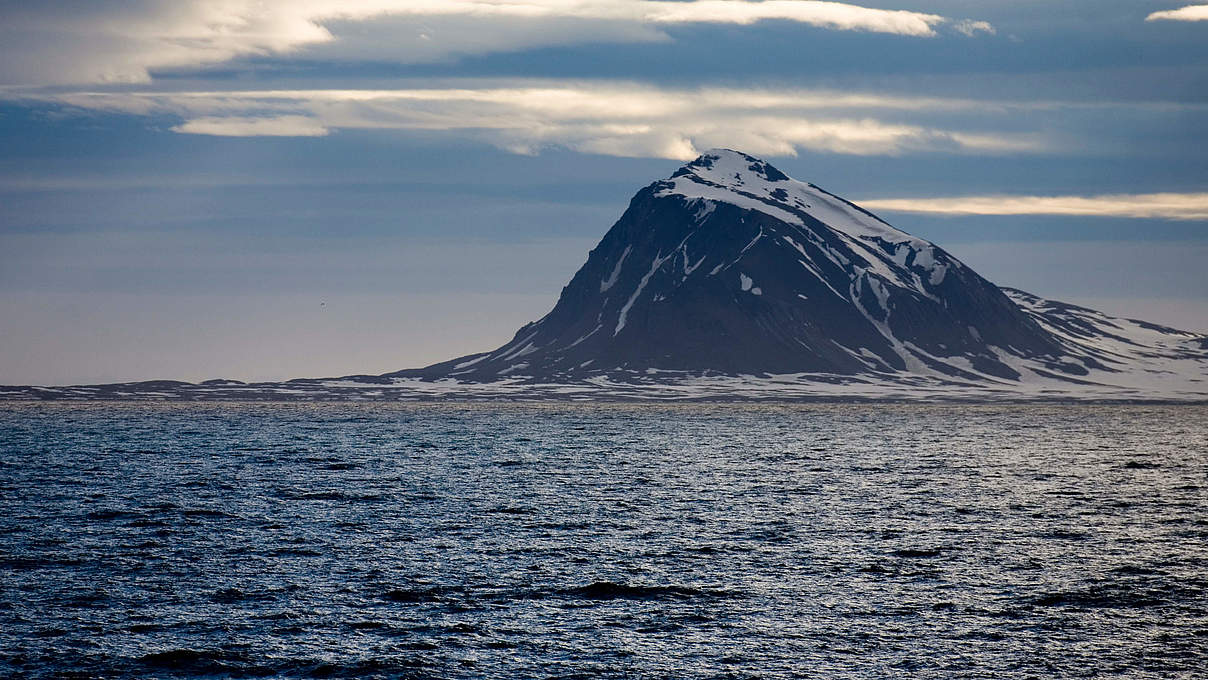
x=1125, y=354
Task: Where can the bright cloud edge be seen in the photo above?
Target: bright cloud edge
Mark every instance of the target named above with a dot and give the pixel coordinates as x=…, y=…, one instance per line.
x=1186, y=13
x=1190, y=207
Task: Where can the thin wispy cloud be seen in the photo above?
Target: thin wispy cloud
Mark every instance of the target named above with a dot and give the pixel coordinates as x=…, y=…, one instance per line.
x=619, y=119
x=1168, y=206
x=59, y=42
x=835, y=15
x=239, y=126
x=1188, y=13
x=971, y=28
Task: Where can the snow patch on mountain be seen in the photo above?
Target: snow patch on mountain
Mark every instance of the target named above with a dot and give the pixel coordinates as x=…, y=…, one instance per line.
x=622, y=317
x=616, y=271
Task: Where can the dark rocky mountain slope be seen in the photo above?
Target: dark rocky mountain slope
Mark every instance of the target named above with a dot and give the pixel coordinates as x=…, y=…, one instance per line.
x=731, y=267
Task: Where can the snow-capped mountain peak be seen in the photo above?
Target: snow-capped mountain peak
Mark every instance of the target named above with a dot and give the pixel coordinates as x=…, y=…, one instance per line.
x=732, y=177
x=730, y=266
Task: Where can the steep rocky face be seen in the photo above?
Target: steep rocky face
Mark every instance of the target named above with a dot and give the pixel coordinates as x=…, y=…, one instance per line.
x=731, y=267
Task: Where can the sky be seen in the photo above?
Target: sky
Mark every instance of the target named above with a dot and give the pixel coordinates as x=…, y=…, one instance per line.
x=268, y=189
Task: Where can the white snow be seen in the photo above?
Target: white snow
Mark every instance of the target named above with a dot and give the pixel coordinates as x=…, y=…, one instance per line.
x=526, y=349
x=471, y=362
x=812, y=268
x=705, y=209
x=513, y=350
x=616, y=271
x=879, y=290
x=588, y=335
x=925, y=258
x=748, y=285
x=688, y=269
x=752, y=243
x=624, y=315
x=691, y=189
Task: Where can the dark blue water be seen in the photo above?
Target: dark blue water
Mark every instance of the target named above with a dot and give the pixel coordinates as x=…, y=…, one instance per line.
x=712, y=541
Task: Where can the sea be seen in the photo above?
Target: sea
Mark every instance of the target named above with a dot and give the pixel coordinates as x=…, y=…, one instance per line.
x=575, y=540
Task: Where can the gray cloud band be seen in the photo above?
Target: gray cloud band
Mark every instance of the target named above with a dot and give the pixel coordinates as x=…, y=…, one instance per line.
x=616, y=119
x=106, y=42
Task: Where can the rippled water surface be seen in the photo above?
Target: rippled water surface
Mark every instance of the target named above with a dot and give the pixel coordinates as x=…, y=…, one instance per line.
x=446, y=541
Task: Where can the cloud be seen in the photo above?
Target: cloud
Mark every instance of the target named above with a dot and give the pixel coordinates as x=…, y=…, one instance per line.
x=972, y=28
x=238, y=126
x=834, y=15
x=60, y=41
x=1169, y=206
x=620, y=119
x=1188, y=13
x=65, y=42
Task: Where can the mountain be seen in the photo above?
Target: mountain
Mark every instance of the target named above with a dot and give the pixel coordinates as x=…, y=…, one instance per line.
x=730, y=267
x=730, y=280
